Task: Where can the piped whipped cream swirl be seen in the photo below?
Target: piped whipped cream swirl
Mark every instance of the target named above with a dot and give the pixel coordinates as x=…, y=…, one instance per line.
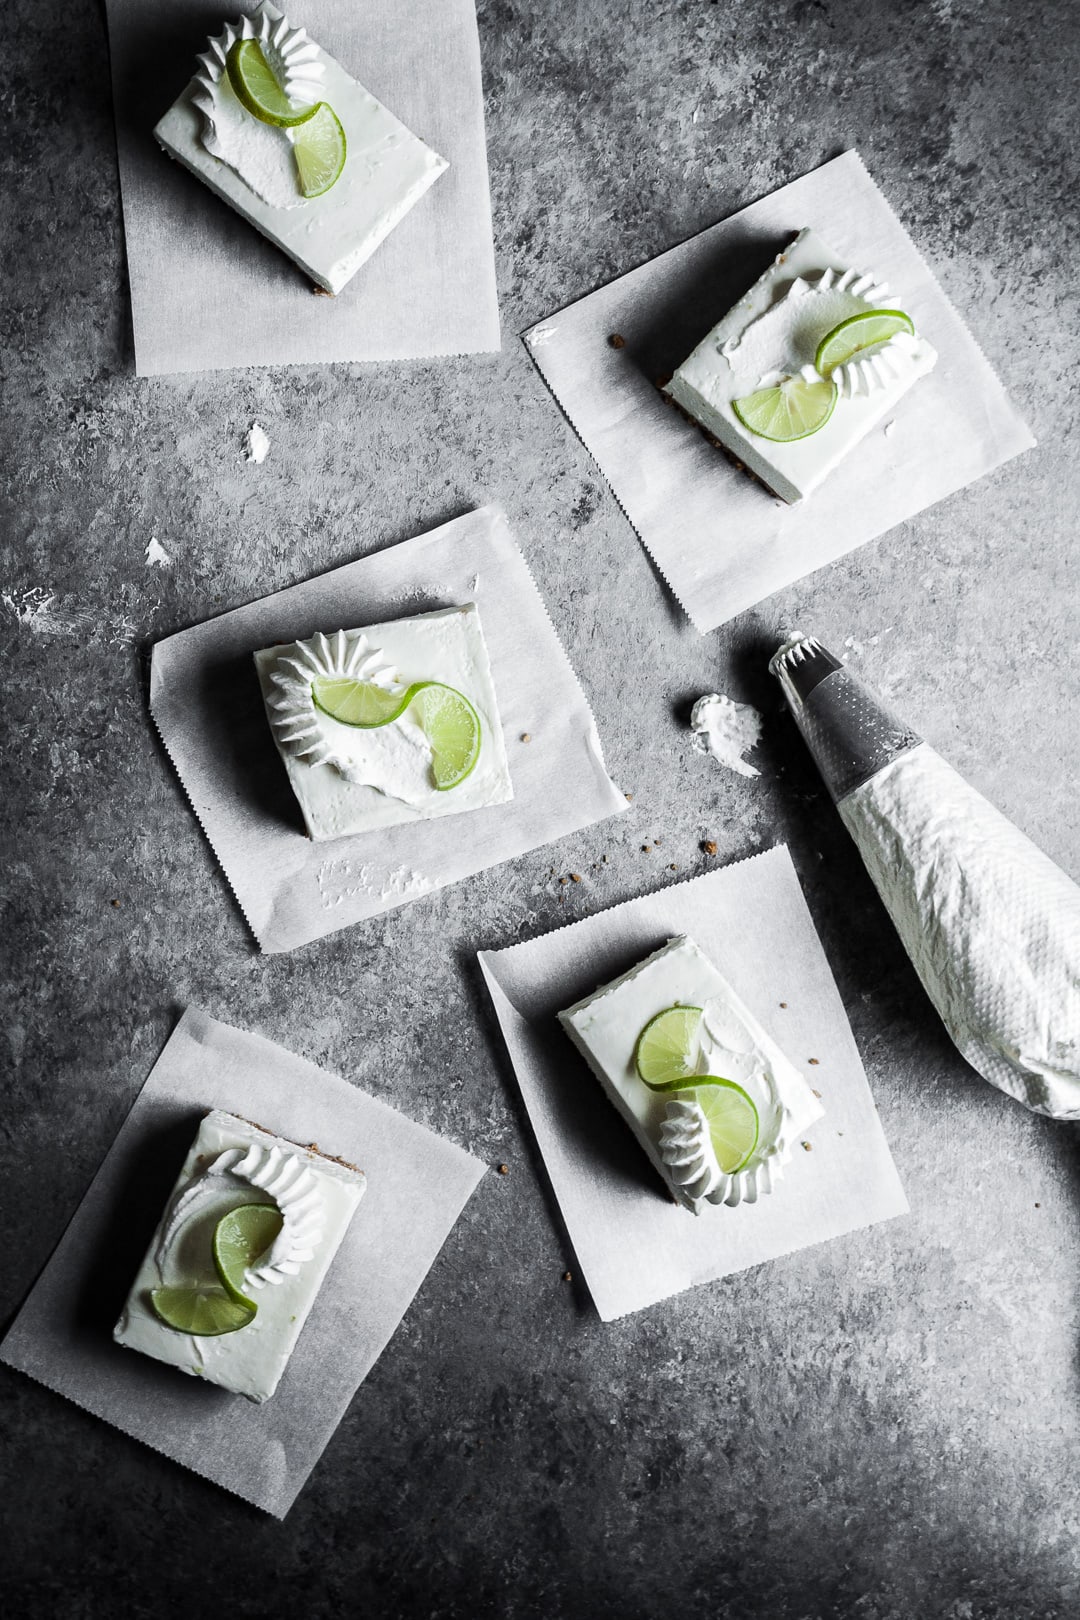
x=394, y=759
x=783, y=340
x=727, y=1048
x=285, y=1178
x=261, y=154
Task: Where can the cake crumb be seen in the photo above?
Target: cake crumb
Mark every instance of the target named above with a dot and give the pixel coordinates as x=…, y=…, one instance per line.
x=808, y=1147
x=617, y=340
x=114, y=903
x=322, y=292
x=564, y=880
x=575, y=877
x=568, y=1276
x=504, y=1169
x=673, y=867
x=783, y=1004
x=628, y=797
x=814, y=1061
x=526, y=736
x=645, y=848
x=709, y=846
x=816, y=1092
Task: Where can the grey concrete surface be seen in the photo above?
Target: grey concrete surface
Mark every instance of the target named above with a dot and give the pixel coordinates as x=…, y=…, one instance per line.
x=886, y=1427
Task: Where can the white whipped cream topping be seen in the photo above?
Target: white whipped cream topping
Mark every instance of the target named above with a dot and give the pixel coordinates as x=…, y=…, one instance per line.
x=261, y=154
x=286, y=1178
x=395, y=758
x=727, y=730
x=728, y=1048
x=783, y=340
x=990, y=922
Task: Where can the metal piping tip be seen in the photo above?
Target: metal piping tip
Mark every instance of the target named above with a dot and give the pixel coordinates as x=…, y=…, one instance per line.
x=800, y=663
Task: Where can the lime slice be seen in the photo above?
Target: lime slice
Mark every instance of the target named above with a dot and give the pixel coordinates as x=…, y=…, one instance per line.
x=863, y=331
x=205, y=1312
x=240, y=1237
x=791, y=409
x=253, y=79
x=733, y=1121
x=319, y=149
x=358, y=703
x=452, y=726
x=666, y=1048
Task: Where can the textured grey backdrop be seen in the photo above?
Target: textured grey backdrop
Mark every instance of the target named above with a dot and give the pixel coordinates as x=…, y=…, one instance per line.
x=884, y=1427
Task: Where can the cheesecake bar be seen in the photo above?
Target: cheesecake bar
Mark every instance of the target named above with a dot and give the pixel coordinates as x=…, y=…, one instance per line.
x=224, y=1290
x=814, y=357
x=728, y=1058
x=395, y=722
x=278, y=130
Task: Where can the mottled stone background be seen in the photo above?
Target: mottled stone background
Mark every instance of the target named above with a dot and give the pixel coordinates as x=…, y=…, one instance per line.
x=886, y=1427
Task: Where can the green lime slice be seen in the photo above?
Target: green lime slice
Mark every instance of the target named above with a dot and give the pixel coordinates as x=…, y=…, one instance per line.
x=665, y=1049
x=240, y=1237
x=791, y=409
x=205, y=1312
x=450, y=722
x=253, y=79
x=453, y=730
x=319, y=149
x=358, y=703
x=733, y=1121
x=863, y=331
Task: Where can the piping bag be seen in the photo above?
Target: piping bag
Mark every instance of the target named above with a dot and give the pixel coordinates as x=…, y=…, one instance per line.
x=991, y=924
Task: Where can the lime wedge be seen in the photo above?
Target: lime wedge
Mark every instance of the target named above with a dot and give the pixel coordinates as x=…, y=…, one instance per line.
x=863, y=331
x=452, y=726
x=205, y=1312
x=358, y=703
x=253, y=79
x=240, y=1237
x=733, y=1121
x=666, y=1047
x=791, y=409
x=319, y=149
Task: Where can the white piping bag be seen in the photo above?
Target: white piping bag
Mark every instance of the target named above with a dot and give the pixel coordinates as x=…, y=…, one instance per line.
x=990, y=922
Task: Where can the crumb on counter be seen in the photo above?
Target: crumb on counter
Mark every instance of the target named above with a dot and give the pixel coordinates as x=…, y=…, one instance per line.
x=709, y=846
x=504, y=1169
x=617, y=340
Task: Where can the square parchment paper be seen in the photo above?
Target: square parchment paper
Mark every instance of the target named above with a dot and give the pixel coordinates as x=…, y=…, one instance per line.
x=634, y=1245
x=721, y=540
x=207, y=291
x=417, y=1186
x=206, y=702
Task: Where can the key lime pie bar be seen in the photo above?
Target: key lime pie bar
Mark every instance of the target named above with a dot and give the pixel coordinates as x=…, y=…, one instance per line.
x=396, y=722
x=711, y=1098
x=281, y=132
x=813, y=357
x=239, y=1256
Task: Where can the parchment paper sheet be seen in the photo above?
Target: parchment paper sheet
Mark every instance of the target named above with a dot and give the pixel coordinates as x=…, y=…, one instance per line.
x=634, y=1246
x=418, y=1184
x=205, y=700
x=722, y=541
x=207, y=291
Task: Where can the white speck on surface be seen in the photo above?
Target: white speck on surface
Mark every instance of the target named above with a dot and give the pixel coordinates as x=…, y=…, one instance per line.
x=540, y=336
x=887, y=429
x=156, y=555
x=339, y=879
x=256, y=444
x=43, y=614
x=727, y=730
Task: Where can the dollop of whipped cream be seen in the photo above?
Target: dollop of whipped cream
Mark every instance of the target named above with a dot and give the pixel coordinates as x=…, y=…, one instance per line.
x=261, y=154
x=727, y=1048
x=783, y=340
x=395, y=759
x=727, y=730
x=284, y=1177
